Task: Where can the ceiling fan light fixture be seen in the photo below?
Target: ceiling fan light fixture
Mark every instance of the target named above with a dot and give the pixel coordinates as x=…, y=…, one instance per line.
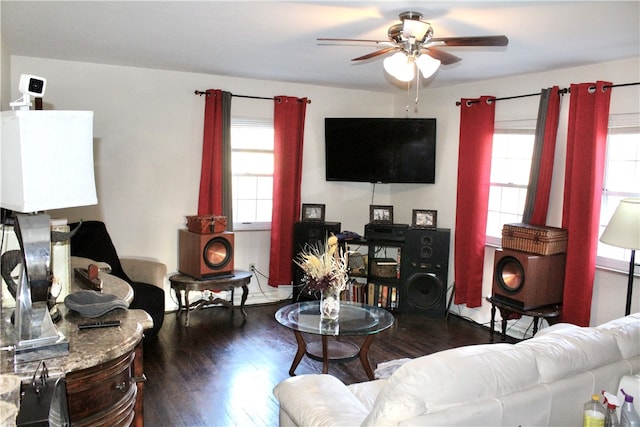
x=427, y=65
x=415, y=29
x=400, y=66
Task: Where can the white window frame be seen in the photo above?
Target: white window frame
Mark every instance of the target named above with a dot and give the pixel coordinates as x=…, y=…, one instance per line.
x=618, y=123
x=510, y=127
x=257, y=122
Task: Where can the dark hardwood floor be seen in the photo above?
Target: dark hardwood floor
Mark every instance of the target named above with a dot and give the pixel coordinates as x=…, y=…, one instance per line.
x=220, y=371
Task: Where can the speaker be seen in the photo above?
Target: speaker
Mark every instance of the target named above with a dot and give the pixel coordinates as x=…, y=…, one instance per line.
x=305, y=233
x=205, y=255
x=526, y=281
x=424, y=267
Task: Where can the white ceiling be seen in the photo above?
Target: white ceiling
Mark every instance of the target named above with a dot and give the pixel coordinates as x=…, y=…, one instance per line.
x=277, y=40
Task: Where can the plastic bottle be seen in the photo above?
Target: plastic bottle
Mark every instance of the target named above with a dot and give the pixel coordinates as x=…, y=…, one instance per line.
x=628, y=416
x=593, y=415
x=611, y=402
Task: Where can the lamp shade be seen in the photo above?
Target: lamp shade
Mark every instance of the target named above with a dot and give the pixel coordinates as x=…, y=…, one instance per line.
x=46, y=160
x=427, y=65
x=623, y=229
x=399, y=66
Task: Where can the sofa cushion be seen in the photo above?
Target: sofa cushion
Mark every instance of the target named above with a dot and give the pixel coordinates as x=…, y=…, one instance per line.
x=465, y=374
x=367, y=392
x=570, y=351
x=626, y=331
x=319, y=400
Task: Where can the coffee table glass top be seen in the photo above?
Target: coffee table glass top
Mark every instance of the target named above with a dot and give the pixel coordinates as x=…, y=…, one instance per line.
x=355, y=319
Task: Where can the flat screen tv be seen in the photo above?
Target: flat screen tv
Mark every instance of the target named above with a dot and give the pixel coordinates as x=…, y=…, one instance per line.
x=385, y=150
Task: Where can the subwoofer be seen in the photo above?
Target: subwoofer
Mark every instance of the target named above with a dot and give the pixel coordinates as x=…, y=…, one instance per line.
x=526, y=280
x=205, y=255
x=424, y=268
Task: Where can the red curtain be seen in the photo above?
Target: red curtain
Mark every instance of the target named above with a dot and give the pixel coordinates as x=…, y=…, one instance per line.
x=210, y=200
x=288, y=126
x=586, y=144
x=537, y=203
x=477, y=118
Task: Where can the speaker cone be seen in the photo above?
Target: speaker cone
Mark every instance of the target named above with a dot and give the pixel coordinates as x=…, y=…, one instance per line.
x=424, y=290
x=509, y=274
x=217, y=253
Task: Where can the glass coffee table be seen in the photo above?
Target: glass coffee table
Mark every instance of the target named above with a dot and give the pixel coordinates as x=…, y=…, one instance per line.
x=355, y=319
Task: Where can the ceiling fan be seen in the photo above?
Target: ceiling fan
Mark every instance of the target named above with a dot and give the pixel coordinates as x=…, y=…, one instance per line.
x=412, y=40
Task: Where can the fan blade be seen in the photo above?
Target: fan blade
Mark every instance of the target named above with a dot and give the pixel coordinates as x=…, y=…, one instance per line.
x=376, y=53
x=326, y=39
x=472, y=41
x=444, y=57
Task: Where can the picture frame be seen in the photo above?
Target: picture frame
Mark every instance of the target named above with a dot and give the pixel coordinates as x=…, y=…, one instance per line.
x=380, y=214
x=424, y=218
x=313, y=212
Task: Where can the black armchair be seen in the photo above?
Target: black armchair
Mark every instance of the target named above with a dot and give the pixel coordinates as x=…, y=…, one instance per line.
x=92, y=241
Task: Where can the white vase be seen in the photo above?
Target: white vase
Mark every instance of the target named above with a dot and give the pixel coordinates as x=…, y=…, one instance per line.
x=330, y=303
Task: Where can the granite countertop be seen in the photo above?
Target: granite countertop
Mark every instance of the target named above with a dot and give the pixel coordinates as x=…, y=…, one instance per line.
x=87, y=347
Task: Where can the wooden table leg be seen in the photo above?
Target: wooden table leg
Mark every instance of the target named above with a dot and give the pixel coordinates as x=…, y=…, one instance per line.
x=325, y=355
x=363, y=354
x=493, y=321
x=245, y=294
x=187, y=307
x=179, y=298
x=504, y=314
x=302, y=349
x=233, y=293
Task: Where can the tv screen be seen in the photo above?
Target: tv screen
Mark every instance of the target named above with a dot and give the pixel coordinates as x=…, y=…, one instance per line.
x=386, y=150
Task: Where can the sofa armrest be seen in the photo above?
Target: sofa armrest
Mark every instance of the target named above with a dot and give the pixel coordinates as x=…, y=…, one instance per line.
x=145, y=271
x=319, y=400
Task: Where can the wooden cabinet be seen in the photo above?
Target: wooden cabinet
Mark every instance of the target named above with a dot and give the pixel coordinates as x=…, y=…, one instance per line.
x=107, y=394
x=104, y=369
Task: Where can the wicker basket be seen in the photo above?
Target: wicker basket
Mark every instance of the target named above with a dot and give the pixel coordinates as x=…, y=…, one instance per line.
x=384, y=267
x=537, y=239
x=206, y=224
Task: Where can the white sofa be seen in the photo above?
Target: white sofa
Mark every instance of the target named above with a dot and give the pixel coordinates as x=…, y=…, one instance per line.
x=543, y=381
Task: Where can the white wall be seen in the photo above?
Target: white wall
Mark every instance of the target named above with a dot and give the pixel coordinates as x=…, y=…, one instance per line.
x=609, y=288
x=148, y=142
x=148, y=130
x=5, y=64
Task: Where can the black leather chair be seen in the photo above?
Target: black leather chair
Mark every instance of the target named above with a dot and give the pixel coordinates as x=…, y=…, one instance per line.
x=92, y=241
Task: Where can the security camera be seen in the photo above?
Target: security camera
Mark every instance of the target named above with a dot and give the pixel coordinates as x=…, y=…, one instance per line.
x=29, y=86
x=32, y=85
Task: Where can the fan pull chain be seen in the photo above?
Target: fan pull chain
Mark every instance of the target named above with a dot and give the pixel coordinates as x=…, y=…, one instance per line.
x=417, y=87
x=408, y=95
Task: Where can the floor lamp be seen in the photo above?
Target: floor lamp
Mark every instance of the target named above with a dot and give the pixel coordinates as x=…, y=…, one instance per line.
x=46, y=162
x=623, y=231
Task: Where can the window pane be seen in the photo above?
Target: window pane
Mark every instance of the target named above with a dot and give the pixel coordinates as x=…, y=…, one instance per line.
x=246, y=211
x=621, y=180
x=252, y=161
x=510, y=165
x=263, y=210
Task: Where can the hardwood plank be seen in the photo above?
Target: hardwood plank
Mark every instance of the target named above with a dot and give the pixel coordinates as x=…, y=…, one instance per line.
x=220, y=371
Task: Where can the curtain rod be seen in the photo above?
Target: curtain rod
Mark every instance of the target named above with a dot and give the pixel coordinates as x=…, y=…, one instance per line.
x=562, y=92
x=200, y=93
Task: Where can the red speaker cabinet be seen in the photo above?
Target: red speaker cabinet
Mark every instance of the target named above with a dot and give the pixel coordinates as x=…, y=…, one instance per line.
x=205, y=255
x=526, y=280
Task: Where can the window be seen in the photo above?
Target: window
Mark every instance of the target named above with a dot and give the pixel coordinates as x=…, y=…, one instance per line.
x=252, y=172
x=510, y=165
x=621, y=180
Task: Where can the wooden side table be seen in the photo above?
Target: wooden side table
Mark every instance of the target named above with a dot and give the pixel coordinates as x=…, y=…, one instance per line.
x=551, y=313
x=183, y=283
